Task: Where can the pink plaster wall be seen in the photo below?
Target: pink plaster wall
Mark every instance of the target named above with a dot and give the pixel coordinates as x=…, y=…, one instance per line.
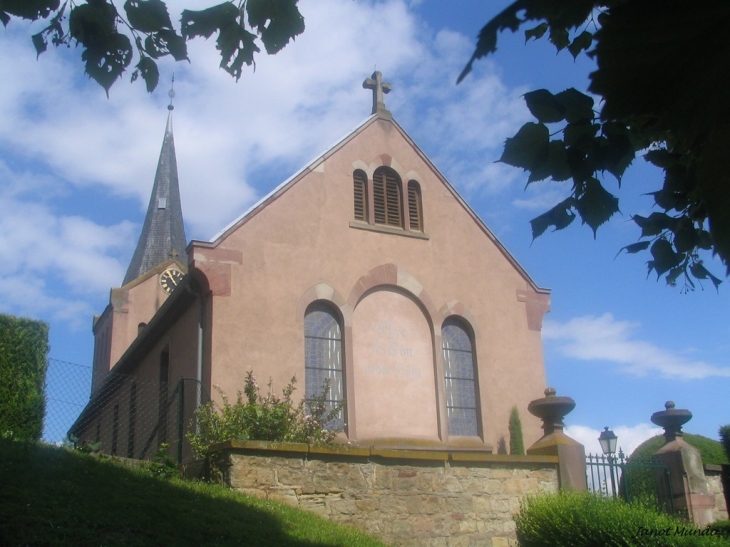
x=302, y=244
x=393, y=368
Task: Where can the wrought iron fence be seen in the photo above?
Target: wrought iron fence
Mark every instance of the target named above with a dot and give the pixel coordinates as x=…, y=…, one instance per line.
x=128, y=416
x=632, y=479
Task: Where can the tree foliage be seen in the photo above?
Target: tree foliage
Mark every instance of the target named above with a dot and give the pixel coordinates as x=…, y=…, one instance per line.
x=110, y=36
x=661, y=89
x=23, y=365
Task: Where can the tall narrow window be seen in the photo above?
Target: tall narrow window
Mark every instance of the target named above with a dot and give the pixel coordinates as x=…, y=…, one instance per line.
x=360, y=189
x=387, y=197
x=415, y=212
x=323, y=357
x=162, y=398
x=132, y=419
x=115, y=430
x=460, y=378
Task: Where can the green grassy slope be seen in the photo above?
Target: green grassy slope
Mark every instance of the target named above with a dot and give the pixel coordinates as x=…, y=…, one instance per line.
x=56, y=497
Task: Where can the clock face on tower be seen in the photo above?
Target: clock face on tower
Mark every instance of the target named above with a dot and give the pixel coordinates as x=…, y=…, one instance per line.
x=170, y=279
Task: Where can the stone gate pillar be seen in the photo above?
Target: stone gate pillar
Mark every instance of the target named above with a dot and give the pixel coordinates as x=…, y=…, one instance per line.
x=554, y=442
x=690, y=489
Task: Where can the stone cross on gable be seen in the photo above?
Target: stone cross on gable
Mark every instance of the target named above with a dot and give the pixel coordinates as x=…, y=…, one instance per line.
x=375, y=82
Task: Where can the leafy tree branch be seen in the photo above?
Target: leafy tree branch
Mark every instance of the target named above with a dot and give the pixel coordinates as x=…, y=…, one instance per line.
x=106, y=33
x=660, y=78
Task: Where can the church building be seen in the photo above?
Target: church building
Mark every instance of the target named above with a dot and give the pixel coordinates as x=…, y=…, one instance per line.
x=365, y=268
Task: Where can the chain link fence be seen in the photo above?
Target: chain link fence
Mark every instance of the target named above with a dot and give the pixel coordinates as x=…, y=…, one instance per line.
x=68, y=386
x=127, y=416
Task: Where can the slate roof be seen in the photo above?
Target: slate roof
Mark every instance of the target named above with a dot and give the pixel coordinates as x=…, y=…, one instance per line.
x=163, y=233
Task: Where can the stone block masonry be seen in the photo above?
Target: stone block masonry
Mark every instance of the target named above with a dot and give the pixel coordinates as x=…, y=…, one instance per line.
x=405, y=497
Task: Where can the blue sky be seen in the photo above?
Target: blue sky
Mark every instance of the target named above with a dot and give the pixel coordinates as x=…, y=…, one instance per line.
x=76, y=169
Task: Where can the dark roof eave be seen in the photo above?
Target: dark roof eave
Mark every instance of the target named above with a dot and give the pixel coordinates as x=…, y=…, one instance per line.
x=178, y=303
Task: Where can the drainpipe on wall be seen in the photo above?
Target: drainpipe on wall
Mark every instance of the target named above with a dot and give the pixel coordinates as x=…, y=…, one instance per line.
x=199, y=356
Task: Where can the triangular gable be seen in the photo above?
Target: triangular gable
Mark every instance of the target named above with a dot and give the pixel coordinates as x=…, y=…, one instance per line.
x=312, y=165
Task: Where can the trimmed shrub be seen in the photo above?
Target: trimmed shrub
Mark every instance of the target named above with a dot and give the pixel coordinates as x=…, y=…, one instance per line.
x=642, y=482
x=583, y=519
x=516, y=444
x=710, y=449
x=23, y=364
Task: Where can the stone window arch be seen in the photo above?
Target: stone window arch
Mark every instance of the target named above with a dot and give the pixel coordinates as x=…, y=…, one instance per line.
x=460, y=377
x=323, y=356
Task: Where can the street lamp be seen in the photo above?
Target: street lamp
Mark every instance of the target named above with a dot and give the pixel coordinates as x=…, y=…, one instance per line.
x=608, y=440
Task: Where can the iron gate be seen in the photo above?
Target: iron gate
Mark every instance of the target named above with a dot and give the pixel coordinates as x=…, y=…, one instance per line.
x=643, y=480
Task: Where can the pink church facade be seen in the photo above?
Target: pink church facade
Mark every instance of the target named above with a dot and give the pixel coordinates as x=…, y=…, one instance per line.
x=366, y=268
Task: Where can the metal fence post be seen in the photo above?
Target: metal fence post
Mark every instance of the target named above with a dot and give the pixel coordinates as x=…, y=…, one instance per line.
x=181, y=421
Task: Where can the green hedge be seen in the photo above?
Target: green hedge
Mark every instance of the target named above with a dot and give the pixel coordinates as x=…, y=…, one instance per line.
x=710, y=449
x=725, y=439
x=23, y=351
x=583, y=519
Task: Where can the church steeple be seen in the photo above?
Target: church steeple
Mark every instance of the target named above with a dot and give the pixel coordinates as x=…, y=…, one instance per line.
x=163, y=233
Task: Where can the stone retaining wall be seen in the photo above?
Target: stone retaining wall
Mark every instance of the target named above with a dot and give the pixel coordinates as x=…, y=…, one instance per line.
x=406, y=497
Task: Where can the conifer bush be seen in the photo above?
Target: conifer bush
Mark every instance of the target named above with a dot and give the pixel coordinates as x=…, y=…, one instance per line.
x=23, y=364
x=516, y=443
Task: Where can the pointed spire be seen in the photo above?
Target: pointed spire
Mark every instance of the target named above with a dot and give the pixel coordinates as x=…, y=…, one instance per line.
x=163, y=233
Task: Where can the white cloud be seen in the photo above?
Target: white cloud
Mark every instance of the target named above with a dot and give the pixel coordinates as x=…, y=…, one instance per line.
x=604, y=338
x=543, y=196
x=629, y=437
x=60, y=135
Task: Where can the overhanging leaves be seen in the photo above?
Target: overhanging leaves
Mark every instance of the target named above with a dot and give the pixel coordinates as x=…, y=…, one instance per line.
x=559, y=217
x=54, y=30
x=147, y=68
x=544, y=107
x=661, y=91
x=528, y=148
x=147, y=15
x=559, y=16
x=664, y=257
x=277, y=21
x=26, y=9
x=107, y=61
x=636, y=247
x=205, y=22
x=595, y=204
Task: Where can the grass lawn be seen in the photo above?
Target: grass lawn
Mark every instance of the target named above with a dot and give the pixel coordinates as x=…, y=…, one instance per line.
x=56, y=497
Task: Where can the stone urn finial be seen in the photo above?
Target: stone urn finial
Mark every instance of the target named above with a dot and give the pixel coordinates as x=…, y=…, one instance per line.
x=672, y=420
x=551, y=410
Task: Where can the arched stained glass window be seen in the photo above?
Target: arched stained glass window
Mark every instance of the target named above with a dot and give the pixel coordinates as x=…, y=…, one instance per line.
x=323, y=357
x=460, y=378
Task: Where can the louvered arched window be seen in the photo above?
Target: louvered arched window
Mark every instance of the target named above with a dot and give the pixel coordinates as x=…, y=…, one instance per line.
x=387, y=201
x=460, y=378
x=323, y=357
x=360, y=190
x=415, y=213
